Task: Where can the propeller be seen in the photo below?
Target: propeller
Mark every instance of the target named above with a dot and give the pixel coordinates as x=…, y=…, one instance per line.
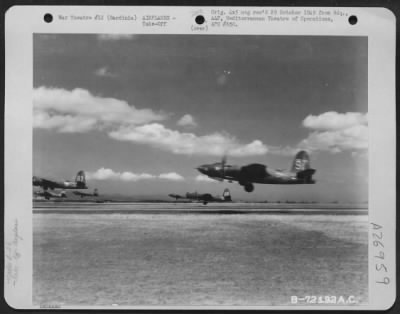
x=223, y=163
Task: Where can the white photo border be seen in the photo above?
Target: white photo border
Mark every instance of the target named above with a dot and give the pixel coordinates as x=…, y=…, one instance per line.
x=21, y=22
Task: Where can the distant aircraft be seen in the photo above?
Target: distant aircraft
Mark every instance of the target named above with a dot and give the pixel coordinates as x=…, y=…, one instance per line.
x=300, y=173
x=80, y=182
x=47, y=195
x=176, y=196
x=204, y=198
x=83, y=194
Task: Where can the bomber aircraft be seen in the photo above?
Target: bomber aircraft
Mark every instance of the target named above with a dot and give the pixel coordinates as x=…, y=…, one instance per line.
x=47, y=194
x=80, y=183
x=300, y=172
x=83, y=194
x=176, y=196
x=204, y=198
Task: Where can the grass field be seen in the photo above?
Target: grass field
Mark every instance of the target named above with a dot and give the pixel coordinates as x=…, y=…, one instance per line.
x=190, y=259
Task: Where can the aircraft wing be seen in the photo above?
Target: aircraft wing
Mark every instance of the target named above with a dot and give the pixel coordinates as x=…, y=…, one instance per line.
x=49, y=183
x=218, y=178
x=175, y=196
x=253, y=172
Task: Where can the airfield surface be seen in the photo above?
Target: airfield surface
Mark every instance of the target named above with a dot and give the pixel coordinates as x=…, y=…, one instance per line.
x=191, y=254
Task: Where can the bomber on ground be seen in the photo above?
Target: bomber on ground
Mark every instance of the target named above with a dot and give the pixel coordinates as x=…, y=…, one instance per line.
x=300, y=172
x=204, y=198
x=79, y=183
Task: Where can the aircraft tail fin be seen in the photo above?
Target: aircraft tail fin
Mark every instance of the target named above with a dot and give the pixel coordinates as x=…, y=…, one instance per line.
x=301, y=166
x=80, y=179
x=301, y=162
x=227, y=195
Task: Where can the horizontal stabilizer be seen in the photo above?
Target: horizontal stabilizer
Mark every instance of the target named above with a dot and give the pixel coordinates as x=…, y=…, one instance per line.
x=306, y=175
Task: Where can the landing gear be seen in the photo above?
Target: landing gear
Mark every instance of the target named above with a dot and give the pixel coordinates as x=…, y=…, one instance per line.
x=248, y=187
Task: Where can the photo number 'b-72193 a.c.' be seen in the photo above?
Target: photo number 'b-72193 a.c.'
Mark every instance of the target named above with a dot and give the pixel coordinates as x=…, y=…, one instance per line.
x=300, y=173
x=80, y=183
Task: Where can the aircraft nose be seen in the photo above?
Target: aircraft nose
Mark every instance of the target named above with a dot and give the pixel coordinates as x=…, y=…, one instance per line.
x=203, y=169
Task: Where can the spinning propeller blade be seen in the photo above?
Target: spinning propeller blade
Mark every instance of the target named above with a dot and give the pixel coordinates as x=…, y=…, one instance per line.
x=223, y=162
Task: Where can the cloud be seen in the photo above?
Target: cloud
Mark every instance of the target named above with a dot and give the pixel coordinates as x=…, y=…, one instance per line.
x=171, y=176
x=335, y=121
x=353, y=138
x=115, y=36
x=187, y=120
x=80, y=111
x=104, y=72
x=63, y=123
x=336, y=132
x=203, y=178
x=283, y=151
x=215, y=144
x=109, y=174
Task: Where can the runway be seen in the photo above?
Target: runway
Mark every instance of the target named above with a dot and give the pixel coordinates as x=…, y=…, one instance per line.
x=191, y=254
x=197, y=208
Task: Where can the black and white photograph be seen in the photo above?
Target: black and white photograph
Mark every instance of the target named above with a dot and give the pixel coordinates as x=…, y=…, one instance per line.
x=213, y=170
x=150, y=129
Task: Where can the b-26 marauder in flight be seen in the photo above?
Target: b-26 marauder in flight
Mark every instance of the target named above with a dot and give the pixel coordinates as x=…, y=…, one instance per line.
x=83, y=194
x=80, y=183
x=300, y=172
x=204, y=198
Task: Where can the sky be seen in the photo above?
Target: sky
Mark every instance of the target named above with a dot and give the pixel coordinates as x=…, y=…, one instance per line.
x=138, y=113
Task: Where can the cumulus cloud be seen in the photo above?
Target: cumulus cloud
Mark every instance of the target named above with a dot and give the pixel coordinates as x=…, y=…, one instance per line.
x=335, y=121
x=115, y=36
x=187, y=120
x=80, y=111
x=216, y=144
x=203, y=178
x=283, y=150
x=171, y=176
x=109, y=174
x=336, y=132
x=104, y=72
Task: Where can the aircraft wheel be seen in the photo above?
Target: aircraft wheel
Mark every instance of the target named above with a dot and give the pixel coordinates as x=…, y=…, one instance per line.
x=249, y=187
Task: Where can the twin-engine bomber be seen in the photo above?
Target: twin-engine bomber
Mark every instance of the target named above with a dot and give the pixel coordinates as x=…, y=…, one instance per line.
x=204, y=198
x=80, y=183
x=300, y=172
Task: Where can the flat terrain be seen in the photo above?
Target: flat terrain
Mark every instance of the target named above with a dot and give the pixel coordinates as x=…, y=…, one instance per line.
x=190, y=254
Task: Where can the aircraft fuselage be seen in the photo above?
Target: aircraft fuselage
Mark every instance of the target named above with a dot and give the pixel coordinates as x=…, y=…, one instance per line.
x=49, y=184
